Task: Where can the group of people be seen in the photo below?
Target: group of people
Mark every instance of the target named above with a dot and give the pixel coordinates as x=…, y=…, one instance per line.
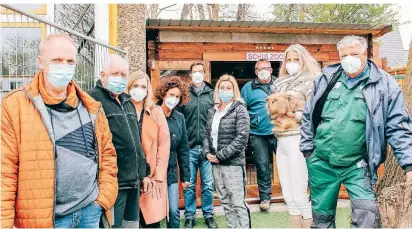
x=114, y=156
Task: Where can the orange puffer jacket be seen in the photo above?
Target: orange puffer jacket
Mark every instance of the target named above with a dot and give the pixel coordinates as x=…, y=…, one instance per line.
x=27, y=159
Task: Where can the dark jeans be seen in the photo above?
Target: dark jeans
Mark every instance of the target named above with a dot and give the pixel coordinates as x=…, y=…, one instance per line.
x=127, y=208
x=87, y=217
x=263, y=147
x=144, y=225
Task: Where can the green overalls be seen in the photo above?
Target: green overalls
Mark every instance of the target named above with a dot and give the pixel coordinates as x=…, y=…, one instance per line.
x=340, y=148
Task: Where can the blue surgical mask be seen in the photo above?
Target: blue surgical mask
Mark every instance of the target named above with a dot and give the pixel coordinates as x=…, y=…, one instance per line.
x=60, y=75
x=116, y=84
x=225, y=96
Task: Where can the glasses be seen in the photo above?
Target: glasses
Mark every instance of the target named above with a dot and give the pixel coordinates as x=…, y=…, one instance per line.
x=265, y=68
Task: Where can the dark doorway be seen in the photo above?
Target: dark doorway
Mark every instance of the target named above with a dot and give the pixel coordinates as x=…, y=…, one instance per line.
x=243, y=71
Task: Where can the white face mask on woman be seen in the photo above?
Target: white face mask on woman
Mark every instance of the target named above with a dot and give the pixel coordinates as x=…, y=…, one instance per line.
x=138, y=94
x=292, y=68
x=171, y=102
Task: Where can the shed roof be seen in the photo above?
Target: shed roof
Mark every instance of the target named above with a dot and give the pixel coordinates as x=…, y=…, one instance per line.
x=269, y=27
x=392, y=49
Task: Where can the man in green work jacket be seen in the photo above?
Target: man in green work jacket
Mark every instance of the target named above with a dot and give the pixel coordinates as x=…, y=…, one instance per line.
x=355, y=110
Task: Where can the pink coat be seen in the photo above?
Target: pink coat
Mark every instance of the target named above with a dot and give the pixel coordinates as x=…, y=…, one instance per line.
x=156, y=146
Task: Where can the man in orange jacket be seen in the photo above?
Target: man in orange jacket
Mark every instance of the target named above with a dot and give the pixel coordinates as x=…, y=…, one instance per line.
x=57, y=158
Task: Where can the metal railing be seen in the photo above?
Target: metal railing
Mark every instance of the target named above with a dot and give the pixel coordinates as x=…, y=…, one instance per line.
x=21, y=33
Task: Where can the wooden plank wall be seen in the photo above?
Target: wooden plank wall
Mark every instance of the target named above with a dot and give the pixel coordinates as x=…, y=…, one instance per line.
x=325, y=53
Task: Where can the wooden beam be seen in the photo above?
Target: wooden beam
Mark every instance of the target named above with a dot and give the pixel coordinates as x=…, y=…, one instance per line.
x=383, y=31
x=155, y=75
x=175, y=65
x=224, y=56
x=247, y=37
x=370, y=46
x=271, y=30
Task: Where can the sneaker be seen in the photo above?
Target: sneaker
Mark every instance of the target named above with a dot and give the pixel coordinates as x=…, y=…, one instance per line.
x=211, y=223
x=264, y=205
x=189, y=223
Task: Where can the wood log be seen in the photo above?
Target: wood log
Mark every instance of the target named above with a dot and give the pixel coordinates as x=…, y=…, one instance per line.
x=395, y=205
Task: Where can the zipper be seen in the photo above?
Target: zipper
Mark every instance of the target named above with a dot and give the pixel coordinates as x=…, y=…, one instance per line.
x=131, y=134
x=198, y=118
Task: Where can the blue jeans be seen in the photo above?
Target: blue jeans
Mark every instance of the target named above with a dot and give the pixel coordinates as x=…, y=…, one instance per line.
x=174, y=213
x=87, y=217
x=206, y=177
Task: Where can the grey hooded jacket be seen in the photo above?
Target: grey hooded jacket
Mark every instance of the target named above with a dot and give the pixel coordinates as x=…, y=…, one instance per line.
x=387, y=119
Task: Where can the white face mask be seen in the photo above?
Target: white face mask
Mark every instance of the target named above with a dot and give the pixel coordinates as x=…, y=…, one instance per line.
x=264, y=75
x=138, y=94
x=198, y=77
x=292, y=68
x=171, y=102
x=351, y=64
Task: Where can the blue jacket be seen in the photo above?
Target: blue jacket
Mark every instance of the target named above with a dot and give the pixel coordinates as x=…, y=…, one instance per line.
x=255, y=99
x=387, y=118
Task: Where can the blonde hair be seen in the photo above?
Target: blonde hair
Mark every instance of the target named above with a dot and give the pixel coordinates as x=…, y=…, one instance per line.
x=310, y=67
x=148, y=101
x=236, y=91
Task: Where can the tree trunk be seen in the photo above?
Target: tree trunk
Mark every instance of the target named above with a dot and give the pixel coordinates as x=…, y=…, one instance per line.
x=215, y=11
x=393, y=195
x=201, y=11
x=191, y=11
x=241, y=12
x=153, y=10
x=209, y=11
x=185, y=11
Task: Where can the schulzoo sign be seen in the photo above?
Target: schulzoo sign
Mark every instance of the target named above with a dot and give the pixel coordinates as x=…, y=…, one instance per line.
x=271, y=56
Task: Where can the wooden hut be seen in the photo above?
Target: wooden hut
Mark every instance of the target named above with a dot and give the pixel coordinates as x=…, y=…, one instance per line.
x=234, y=46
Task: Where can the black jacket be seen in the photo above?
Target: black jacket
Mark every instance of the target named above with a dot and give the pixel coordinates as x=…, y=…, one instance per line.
x=195, y=112
x=233, y=135
x=123, y=124
x=179, y=149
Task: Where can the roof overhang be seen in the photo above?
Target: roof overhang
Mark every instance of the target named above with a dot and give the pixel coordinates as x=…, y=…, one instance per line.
x=268, y=27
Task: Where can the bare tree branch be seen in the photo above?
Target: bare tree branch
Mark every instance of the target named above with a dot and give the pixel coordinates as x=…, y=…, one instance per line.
x=157, y=15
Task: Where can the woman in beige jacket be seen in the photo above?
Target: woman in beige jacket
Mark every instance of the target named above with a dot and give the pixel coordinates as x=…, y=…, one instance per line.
x=155, y=139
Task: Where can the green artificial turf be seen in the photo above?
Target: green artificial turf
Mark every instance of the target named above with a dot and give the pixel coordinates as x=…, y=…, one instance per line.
x=273, y=220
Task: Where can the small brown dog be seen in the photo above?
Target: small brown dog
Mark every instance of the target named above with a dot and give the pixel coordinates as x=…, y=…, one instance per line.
x=282, y=107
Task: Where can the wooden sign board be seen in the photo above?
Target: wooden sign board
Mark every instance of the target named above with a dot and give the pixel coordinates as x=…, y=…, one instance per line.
x=271, y=56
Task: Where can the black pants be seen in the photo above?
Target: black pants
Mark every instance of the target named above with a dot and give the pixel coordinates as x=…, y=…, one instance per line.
x=127, y=207
x=263, y=147
x=144, y=225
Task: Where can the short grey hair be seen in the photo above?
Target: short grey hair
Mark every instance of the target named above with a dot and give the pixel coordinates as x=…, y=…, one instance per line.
x=110, y=58
x=351, y=41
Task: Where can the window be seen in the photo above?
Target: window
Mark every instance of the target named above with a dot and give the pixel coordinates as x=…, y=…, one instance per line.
x=14, y=85
x=20, y=48
x=40, y=9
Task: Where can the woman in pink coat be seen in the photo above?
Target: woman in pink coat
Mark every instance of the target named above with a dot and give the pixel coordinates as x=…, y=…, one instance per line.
x=155, y=140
